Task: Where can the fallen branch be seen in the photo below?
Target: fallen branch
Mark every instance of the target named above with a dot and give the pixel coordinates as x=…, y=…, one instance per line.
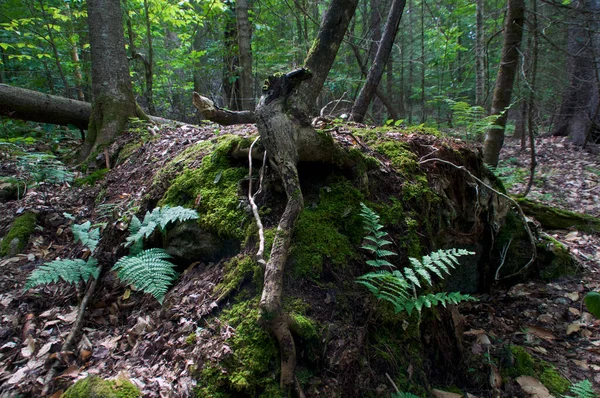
x=70, y=340
x=221, y=116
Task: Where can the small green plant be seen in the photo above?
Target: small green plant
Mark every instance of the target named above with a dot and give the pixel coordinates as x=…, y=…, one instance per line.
x=471, y=120
x=403, y=394
x=592, y=302
x=582, y=389
x=69, y=270
x=399, y=287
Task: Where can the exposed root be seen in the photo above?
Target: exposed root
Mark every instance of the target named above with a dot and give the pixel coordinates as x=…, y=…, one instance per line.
x=251, y=196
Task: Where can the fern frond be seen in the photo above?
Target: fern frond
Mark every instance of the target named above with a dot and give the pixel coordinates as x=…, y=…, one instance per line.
x=160, y=217
x=87, y=235
x=147, y=271
x=70, y=271
x=582, y=389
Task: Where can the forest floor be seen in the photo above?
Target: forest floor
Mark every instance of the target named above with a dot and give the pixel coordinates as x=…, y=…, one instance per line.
x=134, y=335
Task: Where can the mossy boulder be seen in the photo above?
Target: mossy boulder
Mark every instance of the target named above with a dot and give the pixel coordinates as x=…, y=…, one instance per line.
x=96, y=387
x=17, y=237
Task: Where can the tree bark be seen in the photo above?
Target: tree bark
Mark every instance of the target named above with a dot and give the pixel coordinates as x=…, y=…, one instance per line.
x=20, y=103
x=580, y=100
x=513, y=34
x=479, y=55
x=113, y=100
x=245, y=51
x=376, y=71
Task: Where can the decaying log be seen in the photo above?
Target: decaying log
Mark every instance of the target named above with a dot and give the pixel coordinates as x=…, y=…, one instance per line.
x=222, y=116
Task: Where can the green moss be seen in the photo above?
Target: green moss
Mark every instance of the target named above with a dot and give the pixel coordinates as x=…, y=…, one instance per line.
x=191, y=339
x=128, y=150
x=553, y=218
x=526, y=365
x=91, y=179
x=555, y=259
x=327, y=231
x=303, y=326
x=235, y=272
x=21, y=229
x=251, y=369
x=399, y=154
x=95, y=387
x=212, y=188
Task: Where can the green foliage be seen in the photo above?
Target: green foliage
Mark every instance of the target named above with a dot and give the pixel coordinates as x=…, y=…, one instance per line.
x=88, y=236
x=147, y=271
x=70, y=271
x=403, y=394
x=399, y=286
x=21, y=229
x=582, y=389
x=42, y=167
x=158, y=218
x=470, y=120
x=91, y=179
x=94, y=386
x=592, y=302
x=526, y=365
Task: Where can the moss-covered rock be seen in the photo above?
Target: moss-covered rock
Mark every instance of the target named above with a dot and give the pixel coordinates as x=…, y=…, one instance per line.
x=252, y=368
x=96, y=387
x=555, y=259
x=212, y=188
x=18, y=235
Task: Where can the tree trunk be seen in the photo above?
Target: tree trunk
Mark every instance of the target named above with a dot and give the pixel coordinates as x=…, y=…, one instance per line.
x=479, y=56
x=222, y=116
x=383, y=52
x=245, y=51
x=231, y=82
x=580, y=100
x=513, y=33
x=149, y=62
x=20, y=103
x=113, y=100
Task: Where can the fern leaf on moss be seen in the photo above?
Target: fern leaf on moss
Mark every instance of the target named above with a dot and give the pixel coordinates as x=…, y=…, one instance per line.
x=147, y=271
x=582, y=389
x=70, y=271
x=159, y=217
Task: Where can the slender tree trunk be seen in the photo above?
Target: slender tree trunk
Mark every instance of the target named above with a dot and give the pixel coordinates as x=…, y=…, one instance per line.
x=52, y=42
x=245, y=50
x=411, y=62
x=113, y=100
x=423, y=114
x=479, y=55
x=576, y=115
x=376, y=71
x=75, y=58
x=149, y=62
x=231, y=81
x=507, y=70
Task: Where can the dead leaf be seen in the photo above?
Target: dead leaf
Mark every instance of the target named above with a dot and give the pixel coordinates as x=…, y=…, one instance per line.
x=533, y=387
x=574, y=311
x=542, y=333
x=444, y=394
x=57, y=394
x=573, y=328
x=18, y=375
x=574, y=296
x=582, y=364
x=495, y=377
x=29, y=347
x=71, y=372
x=474, y=332
x=70, y=317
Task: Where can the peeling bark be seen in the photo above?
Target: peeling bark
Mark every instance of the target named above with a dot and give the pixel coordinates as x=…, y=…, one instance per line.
x=222, y=116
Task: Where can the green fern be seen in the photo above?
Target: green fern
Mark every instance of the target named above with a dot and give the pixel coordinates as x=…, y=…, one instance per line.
x=399, y=286
x=87, y=235
x=159, y=218
x=147, y=271
x=70, y=271
x=582, y=389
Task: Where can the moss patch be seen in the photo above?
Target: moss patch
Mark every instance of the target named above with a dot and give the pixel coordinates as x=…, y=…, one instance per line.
x=553, y=218
x=252, y=368
x=526, y=365
x=95, y=387
x=327, y=231
x=90, y=179
x=22, y=228
x=235, y=272
x=212, y=188
x=555, y=259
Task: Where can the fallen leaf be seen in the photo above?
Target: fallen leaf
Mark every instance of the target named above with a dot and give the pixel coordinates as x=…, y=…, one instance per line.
x=29, y=347
x=574, y=296
x=573, y=328
x=70, y=317
x=533, y=387
x=71, y=372
x=18, y=375
x=541, y=333
x=582, y=364
x=444, y=394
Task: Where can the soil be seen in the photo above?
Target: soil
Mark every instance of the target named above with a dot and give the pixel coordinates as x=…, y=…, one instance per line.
x=130, y=333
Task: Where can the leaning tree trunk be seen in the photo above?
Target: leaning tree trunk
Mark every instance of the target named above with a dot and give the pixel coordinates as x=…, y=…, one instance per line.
x=113, y=101
x=383, y=52
x=578, y=113
x=513, y=33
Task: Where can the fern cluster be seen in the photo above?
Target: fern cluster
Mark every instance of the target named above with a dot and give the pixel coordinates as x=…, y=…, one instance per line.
x=146, y=270
x=70, y=271
x=399, y=287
